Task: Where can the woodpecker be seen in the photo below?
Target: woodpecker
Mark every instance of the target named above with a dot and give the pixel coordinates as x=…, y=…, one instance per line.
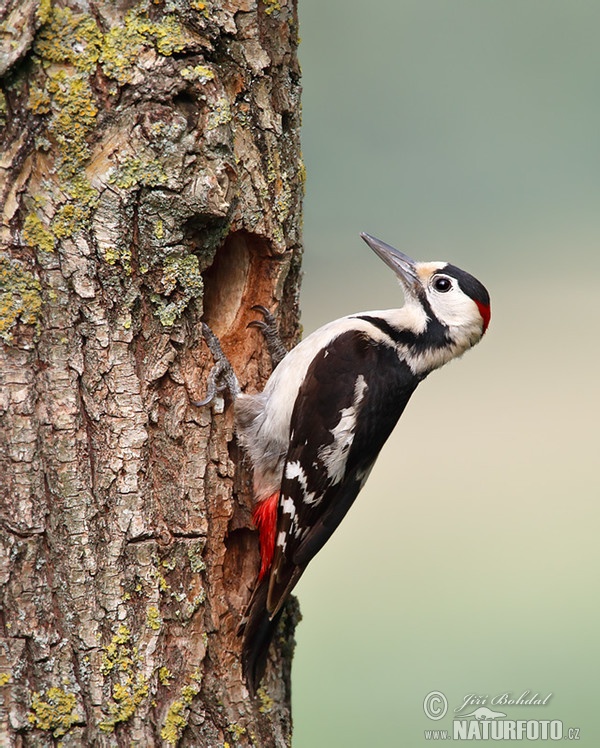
x=313, y=434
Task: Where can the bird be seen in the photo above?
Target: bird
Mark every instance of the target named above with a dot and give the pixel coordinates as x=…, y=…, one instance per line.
x=314, y=432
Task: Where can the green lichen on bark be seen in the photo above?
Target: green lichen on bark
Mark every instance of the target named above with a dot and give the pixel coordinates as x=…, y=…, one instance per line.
x=194, y=553
x=20, y=296
x=182, y=283
x=123, y=44
x=135, y=171
x=67, y=49
x=3, y=108
x=122, y=255
x=67, y=52
x=219, y=115
x=36, y=235
x=74, y=113
x=80, y=39
x=72, y=217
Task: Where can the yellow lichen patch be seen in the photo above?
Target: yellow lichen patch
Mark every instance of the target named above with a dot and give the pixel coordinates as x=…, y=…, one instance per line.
x=170, y=36
x=122, y=660
x=164, y=676
x=282, y=203
x=112, y=255
x=20, y=296
x=38, y=101
x=3, y=108
x=272, y=6
x=220, y=114
x=163, y=585
x=70, y=37
x=182, y=282
x=36, y=235
x=301, y=171
x=4, y=679
x=200, y=7
x=266, y=702
x=188, y=693
x=118, y=655
x=123, y=44
x=199, y=73
x=127, y=697
x=74, y=114
x=54, y=712
x=44, y=11
x=236, y=731
x=175, y=722
x=157, y=574
x=69, y=219
x=178, y=713
x=66, y=52
x=153, y=619
x=194, y=553
x=134, y=171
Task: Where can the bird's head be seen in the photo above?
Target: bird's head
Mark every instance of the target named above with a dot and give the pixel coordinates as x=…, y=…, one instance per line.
x=447, y=294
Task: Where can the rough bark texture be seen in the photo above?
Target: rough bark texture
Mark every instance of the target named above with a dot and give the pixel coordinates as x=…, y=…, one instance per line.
x=151, y=176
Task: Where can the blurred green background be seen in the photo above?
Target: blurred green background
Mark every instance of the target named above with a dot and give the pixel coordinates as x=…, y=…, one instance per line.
x=466, y=131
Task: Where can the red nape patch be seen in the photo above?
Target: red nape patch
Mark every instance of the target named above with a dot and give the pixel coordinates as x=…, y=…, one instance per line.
x=265, y=519
x=486, y=314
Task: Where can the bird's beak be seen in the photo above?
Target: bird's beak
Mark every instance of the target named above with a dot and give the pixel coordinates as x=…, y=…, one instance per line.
x=401, y=264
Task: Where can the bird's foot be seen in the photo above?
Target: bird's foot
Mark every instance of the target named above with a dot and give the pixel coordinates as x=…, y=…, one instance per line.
x=268, y=327
x=222, y=376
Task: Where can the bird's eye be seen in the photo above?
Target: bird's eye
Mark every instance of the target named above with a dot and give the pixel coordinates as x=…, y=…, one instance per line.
x=442, y=284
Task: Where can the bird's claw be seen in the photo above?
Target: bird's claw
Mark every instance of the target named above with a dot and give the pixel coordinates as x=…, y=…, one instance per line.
x=221, y=377
x=268, y=327
x=267, y=321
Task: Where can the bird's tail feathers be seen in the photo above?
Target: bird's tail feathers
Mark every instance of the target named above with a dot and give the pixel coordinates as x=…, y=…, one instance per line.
x=257, y=629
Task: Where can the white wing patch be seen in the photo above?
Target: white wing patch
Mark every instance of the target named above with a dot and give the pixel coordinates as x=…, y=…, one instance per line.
x=295, y=470
x=334, y=456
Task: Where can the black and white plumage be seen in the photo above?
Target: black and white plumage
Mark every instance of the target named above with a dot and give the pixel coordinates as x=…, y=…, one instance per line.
x=315, y=431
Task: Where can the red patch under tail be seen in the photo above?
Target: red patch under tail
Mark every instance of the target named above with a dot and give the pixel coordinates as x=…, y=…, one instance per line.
x=265, y=519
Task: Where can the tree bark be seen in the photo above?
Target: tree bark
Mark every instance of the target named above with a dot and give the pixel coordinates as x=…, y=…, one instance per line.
x=151, y=177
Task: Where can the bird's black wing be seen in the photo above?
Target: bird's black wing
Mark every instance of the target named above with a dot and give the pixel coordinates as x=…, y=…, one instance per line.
x=354, y=392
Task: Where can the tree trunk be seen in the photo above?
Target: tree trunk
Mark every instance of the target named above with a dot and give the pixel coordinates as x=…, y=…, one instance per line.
x=151, y=177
